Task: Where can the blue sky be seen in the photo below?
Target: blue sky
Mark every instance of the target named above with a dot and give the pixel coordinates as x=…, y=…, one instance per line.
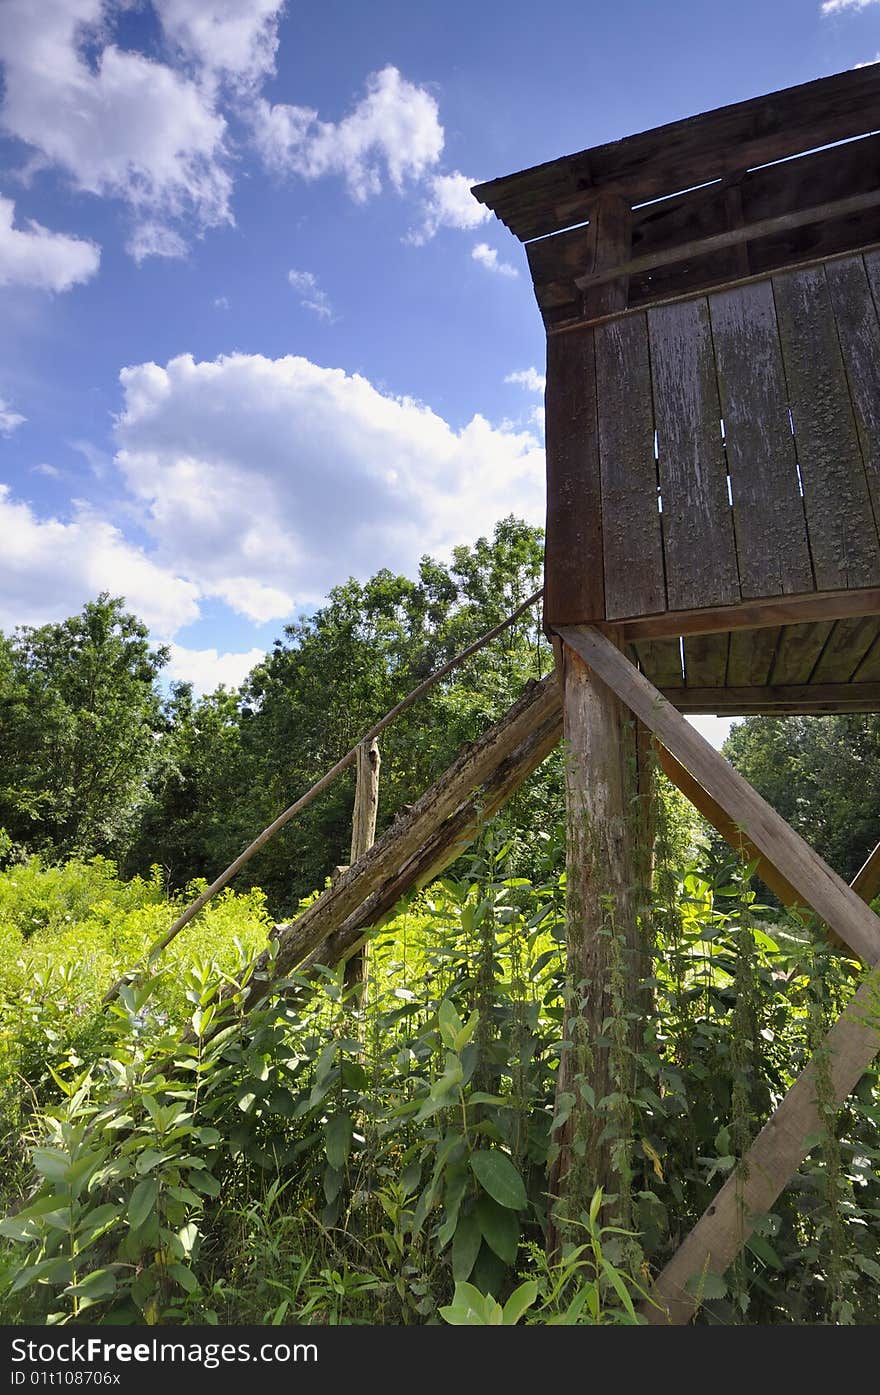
x=257, y=334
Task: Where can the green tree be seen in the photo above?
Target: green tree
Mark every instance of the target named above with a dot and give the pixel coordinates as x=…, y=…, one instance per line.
x=822, y=774
x=80, y=715
x=324, y=684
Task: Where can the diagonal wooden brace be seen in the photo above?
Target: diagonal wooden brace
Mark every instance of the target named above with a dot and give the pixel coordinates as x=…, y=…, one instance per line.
x=849, y=1047
x=811, y=879
x=770, y=1163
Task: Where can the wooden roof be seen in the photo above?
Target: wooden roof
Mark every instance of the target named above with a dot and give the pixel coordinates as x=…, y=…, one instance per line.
x=683, y=154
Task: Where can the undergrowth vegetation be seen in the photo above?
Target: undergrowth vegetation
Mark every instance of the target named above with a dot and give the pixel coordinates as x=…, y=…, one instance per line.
x=168, y=1159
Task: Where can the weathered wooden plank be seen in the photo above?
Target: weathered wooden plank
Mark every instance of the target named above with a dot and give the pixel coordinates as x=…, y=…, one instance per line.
x=660, y=659
x=363, y=836
x=840, y=523
x=600, y=915
x=771, y=1161
x=574, y=584
x=798, y=650
x=845, y=648
x=698, y=538
x=713, y=812
x=768, y=511
x=859, y=333
x=750, y=657
x=403, y=839
x=683, y=154
x=800, y=697
x=633, y=546
x=734, y=237
x=441, y=848
x=705, y=661
x=828, y=605
x=820, y=888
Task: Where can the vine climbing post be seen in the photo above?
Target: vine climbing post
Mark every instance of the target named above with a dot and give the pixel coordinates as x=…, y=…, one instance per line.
x=363, y=836
x=606, y=861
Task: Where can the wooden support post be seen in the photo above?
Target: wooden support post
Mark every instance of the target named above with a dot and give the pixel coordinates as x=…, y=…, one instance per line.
x=603, y=954
x=363, y=836
x=813, y=881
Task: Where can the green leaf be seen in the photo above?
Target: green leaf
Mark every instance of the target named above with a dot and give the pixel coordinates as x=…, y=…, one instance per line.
x=497, y=1175
x=499, y=1228
x=184, y=1276
x=337, y=1140
x=519, y=1302
x=465, y=1246
x=143, y=1200
x=101, y=1283
x=449, y=1023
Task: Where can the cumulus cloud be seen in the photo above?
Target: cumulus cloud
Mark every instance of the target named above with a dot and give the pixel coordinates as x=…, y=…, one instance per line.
x=833, y=7
x=34, y=256
x=235, y=38
x=449, y=203
x=311, y=297
x=206, y=669
x=528, y=378
x=488, y=257
x=49, y=568
x=265, y=481
x=393, y=134
x=9, y=420
x=117, y=123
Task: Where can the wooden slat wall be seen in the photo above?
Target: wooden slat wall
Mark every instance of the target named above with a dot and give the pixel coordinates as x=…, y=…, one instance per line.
x=840, y=521
x=634, y=581
x=698, y=539
x=785, y=502
x=768, y=511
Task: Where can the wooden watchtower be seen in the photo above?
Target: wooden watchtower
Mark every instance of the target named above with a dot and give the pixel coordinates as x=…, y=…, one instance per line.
x=710, y=291
x=713, y=395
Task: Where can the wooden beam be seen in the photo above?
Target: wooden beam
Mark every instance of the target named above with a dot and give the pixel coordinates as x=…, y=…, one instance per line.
x=752, y=615
x=423, y=848
x=771, y=1161
x=733, y=237
x=402, y=841
x=774, y=698
x=602, y=871
x=363, y=836
x=813, y=881
x=724, y=824
x=683, y=154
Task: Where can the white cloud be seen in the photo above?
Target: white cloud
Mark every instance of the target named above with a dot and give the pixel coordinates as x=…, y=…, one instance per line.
x=266, y=481
x=833, y=7
x=221, y=303
x=488, y=257
x=49, y=569
x=50, y=471
x=528, y=378
x=155, y=240
x=310, y=294
x=119, y=124
x=9, y=420
x=869, y=62
x=236, y=38
x=449, y=204
x=393, y=134
x=34, y=256
x=206, y=669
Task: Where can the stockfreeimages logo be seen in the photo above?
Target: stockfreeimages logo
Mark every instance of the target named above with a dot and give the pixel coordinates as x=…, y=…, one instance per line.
x=95, y=1351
